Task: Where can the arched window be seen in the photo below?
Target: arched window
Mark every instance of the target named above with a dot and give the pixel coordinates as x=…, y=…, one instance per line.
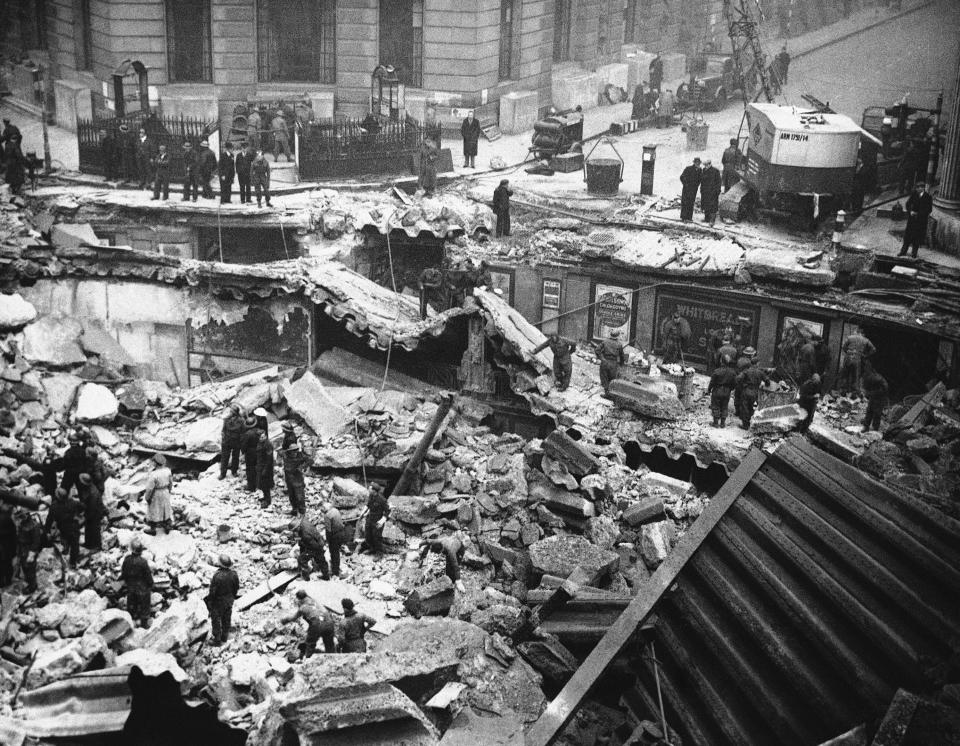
x=189, y=48
x=296, y=41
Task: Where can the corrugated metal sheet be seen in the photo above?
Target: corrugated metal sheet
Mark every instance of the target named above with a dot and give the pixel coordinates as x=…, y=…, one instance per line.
x=811, y=593
x=96, y=702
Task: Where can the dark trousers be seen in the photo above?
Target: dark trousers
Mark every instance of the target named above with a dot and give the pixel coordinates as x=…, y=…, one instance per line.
x=686, y=204
x=503, y=223
x=138, y=605
x=609, y=370
x=281, y=143
x=296, y=491
x=333, y=544
x=354, y=645
x=850, y=372
x=226, y=191
x=190, y=184
x=371, y=535
x=143, y=172
x=161, y=184
x=561, y=373
x=874, y=414
x=720, y=406
x=6, y=565
x=220, y=613
x=914, y=235
x=29, y=572
x=229, y=454
x=729, y=178
x=317, y=632
x=71, y=542
x=748, y=402
x=250, y=466
x=265, y=500
x=91, y=533
x=810, y=407
x=205, y=189
x=671, y=351
x=244, y=188
x=257, y=187
x=313, y=555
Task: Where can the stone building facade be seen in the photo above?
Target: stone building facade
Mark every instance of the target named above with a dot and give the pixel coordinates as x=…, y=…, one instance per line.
x=203, y=57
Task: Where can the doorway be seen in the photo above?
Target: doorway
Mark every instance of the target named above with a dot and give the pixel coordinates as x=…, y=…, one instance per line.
x=401, y=39
x=906, y=358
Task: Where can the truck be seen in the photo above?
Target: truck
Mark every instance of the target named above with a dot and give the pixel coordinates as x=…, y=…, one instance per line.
x=793, y=162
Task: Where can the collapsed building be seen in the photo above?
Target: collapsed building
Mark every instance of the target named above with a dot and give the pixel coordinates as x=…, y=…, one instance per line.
x=627, y=567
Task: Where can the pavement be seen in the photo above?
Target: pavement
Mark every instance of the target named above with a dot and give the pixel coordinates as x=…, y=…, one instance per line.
x=904, y=52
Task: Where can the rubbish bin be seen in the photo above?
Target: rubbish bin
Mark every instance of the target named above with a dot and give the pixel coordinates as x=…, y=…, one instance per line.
x=603, y=174
x=697, y=135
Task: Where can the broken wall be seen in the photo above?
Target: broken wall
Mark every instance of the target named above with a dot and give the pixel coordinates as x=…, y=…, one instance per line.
x=150, y=321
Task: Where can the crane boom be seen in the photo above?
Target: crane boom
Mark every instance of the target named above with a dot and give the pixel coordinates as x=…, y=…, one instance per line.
x=744, y=34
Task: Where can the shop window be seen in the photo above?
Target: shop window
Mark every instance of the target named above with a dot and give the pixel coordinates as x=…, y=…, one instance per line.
x=189, y=58
x=296, y=41
x=401, y=39
x=83, y=37
x=550, y=306
x=506, y=39
x=561, y=30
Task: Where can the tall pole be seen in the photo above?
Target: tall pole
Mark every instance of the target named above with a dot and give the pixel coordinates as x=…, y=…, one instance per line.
x=47, y=164
x=948, y=195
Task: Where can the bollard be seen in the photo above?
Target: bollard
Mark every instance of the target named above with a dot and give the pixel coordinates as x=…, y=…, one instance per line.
x=839, y=225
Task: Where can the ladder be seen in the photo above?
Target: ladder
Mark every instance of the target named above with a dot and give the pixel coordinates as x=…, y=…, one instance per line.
x=744, y=35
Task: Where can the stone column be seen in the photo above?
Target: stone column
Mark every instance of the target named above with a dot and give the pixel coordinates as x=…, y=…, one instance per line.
x=948, y=194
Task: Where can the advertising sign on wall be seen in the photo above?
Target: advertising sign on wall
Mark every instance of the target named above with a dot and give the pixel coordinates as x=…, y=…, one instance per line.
x=612, y=309
x=705, y=316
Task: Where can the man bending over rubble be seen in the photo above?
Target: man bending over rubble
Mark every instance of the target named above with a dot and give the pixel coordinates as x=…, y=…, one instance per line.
x=311, y=549
x=453, y=550
x=320, y=624
x=355, y=627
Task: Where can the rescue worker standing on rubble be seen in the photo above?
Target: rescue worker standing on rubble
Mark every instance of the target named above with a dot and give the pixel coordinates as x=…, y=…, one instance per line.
x=807, y=399
x=335, y=530
x=377, y=511
x=157, y=495
x=690, y=183
x=260, y=178
x=876, y=390
x=249, y=441
x=807, y=359
x=231, y=438
x=320, y=624
x=429, y=282
x=64, y=514
x=562, y=349
x=264, y=475
x=856, y=349
x=8, y=544
x=135, y=574
x=744, y=361
x=452, y=550
x=675, y=333
x=224, y=589
x=501, y=207
x=29, y=545
x=93, y=512
x=748, y=382
x=355, y=626
x=294, y=461
x=74, y=461
x=311, y=549
x=611, y=358
x=722, y=382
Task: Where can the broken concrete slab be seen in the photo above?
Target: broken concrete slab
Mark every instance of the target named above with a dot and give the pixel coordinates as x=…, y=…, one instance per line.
x=52, y=341
x=780, y=419
x=183, y=623
x=306, y=396
x=375, y=714
x=470, y=728
x=415, y=510
x=650, y=397
x=660, y=485
x=572, y=454
x=73, y=235
x=96, y=403
x=203, y=435
x=834, y=442
x=95, y=340
x=656, y=540
x=550, y=658
x=644, y=511
x=433, y=599
x=558, y=473
x=15, y=311
x=561, y=555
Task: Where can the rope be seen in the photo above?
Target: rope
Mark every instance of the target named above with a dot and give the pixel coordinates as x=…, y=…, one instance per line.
x=393, y=283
